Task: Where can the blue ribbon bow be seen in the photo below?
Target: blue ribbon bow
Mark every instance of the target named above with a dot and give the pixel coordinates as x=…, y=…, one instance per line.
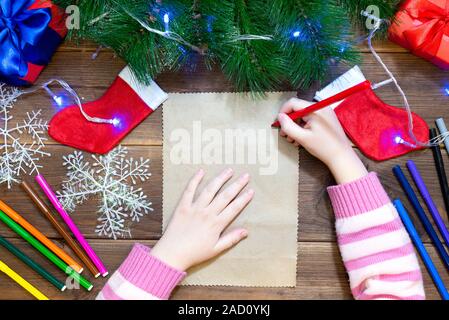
x=19, y=27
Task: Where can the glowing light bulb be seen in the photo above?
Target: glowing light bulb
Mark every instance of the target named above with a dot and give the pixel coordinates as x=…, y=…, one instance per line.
x=296, y=34
x=166, y=22
x=116, y=122
x=58, y=100
x=398, y=140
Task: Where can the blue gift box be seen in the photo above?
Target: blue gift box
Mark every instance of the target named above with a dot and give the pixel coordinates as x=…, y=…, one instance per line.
x=30, y=33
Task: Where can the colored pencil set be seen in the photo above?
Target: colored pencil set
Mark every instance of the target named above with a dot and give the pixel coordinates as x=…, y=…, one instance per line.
x=432, y=208
x=46, y=247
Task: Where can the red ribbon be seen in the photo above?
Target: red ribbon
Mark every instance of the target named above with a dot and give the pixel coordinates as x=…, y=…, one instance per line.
x=40, y=4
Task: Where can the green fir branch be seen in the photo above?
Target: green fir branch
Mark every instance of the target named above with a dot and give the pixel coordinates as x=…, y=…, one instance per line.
x=252, y=64
x=312, y=34
x=229, y=33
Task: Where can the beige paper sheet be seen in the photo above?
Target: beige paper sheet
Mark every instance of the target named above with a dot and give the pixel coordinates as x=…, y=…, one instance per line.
x=268, y=256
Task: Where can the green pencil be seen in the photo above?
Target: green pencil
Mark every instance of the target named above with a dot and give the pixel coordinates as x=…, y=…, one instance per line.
x=44, y=251
x=32, y=264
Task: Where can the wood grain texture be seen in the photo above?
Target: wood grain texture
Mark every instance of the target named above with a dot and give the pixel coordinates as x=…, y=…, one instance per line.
x=320, y=271
x=321, y=275
x=85, y=216
x=422, y=82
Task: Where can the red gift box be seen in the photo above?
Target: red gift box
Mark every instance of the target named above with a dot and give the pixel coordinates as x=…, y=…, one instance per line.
x=422, y=26
x=30, y=33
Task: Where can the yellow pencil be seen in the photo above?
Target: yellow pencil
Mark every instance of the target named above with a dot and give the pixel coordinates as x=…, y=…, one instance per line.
x=22, y=282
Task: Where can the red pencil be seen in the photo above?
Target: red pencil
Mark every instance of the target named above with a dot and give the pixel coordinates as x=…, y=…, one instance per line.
x=326, y=102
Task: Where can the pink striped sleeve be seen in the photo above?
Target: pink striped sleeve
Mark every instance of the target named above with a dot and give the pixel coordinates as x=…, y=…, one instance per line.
x=376, y=249
x=141, y=277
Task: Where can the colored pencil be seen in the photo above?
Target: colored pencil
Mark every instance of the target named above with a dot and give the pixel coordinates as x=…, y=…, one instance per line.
x=22, y=282
x=421, y=214
x=72, y=226
x=44, y=251
x=326, y=102
x=421, y=249
x=439, y=165
x=32, y=264
x=39, y=236
x=421, y=185
x=443, y=129
x=46, y=212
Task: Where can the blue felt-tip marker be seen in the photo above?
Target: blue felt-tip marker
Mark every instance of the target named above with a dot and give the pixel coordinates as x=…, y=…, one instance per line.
x=411, y=195
x=421, y=249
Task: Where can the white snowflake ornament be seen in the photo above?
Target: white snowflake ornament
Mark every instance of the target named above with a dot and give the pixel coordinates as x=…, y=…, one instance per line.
x=112, y=177
x=16, y=156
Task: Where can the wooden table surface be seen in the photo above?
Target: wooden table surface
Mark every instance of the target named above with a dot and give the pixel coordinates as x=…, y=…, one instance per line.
x=320, y=272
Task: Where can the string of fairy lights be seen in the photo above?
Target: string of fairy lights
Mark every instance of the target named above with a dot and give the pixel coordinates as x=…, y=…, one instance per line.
x=168, y=34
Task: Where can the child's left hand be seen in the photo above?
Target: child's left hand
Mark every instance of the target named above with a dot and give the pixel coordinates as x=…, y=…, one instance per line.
x=195, y=232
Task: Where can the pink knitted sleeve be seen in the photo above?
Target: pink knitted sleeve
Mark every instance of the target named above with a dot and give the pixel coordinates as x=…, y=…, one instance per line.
x=374, y=245
x=376, y=249
x=141, y=277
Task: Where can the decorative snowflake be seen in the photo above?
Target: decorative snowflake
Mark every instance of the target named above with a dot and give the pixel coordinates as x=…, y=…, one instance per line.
x=16, y=156
x=112, y=177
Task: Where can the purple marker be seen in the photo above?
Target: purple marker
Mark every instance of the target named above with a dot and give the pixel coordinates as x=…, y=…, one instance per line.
x=419, y=182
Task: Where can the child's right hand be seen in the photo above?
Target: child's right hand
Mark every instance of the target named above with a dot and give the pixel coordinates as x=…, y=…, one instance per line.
x=323, y=136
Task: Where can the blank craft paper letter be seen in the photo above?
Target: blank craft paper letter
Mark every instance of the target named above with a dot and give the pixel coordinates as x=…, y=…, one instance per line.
x=215, y=131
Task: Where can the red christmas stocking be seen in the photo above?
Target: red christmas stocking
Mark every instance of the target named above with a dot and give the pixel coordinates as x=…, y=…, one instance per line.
x=126, y=101
x=379, y=130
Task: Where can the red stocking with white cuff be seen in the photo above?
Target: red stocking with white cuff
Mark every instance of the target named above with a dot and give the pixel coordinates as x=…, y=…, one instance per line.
x=127, y=101
x=379, y=130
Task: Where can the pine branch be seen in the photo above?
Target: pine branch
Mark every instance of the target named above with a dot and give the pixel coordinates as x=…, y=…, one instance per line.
x=255, y=65
x=312, y=33
x=259, y=44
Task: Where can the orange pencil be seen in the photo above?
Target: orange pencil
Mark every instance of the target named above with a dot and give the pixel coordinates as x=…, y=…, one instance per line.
x=39, y=236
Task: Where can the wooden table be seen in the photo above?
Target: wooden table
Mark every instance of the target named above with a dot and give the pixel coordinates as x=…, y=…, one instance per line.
x=320, y=271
